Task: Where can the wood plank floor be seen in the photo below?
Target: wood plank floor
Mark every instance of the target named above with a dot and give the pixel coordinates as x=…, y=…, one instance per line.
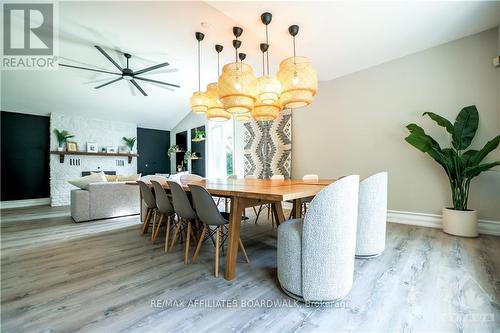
x=102, y=276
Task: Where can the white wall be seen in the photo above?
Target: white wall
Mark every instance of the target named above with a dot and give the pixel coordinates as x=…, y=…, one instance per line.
x=104, y=133
x=356, y=124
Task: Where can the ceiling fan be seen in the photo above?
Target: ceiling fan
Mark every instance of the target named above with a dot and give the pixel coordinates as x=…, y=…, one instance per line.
x=125, y=73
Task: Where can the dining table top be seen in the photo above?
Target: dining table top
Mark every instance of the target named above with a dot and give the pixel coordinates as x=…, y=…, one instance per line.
x=262, y=189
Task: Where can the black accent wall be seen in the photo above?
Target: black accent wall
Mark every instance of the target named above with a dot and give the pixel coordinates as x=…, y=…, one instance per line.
x=198, y=166
x=181, y=141
x=152, y=146
x=25, y=143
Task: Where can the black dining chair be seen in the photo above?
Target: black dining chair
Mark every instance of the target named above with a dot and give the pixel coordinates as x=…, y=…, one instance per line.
x=166, y=211
x=187, y=216
x=150, y=202
x=213, y=221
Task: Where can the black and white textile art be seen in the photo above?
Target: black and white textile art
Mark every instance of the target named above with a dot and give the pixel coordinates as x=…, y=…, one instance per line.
x=268, y=147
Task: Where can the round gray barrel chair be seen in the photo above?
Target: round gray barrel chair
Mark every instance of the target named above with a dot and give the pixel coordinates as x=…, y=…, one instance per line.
x=372, y=216
x=316, y=254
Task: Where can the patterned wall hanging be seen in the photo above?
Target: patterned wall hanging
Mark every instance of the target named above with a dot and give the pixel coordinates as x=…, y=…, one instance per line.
x=268, y=147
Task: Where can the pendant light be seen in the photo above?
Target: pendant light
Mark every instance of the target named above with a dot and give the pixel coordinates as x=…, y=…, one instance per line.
x=243, y=116
x=199, y=101
x=265, y=111
x=299, y=81
x=216, y=111
x=237, y=85
x=269, y=88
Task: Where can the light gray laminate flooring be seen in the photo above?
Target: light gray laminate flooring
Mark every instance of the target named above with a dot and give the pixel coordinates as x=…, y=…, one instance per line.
x=103, y=276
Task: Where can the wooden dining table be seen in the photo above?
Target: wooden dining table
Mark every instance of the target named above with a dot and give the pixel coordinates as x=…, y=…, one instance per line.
x=245, y=193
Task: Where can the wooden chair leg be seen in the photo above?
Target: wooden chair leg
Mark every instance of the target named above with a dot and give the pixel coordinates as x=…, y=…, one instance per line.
x=154, y=224
x=145, y=225
x=158, y=227
x=217, y=252
x=254, y=210
x=188, y=237
x=167, y=233
x=258, y=213
x=200, y=241
x=243, y=250
x=176, y=232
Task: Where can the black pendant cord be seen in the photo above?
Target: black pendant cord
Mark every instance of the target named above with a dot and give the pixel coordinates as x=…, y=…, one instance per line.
x=294, y=54
x=199, y=68
x=263, y=70
x=218, y=64
x=267, y=52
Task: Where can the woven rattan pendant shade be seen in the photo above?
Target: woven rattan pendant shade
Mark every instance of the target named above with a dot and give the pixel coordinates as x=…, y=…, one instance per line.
x=237, y=88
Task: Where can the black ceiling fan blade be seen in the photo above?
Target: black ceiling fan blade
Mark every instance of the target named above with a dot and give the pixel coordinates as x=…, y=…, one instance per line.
x=138, y=87
x=89, y=69
x=144, y=70
x=109, y=82
x=159, y=82
x=108, y=57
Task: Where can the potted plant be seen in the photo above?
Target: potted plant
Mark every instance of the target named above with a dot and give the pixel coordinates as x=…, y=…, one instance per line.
x=199, y=135
x=62, y=138
x=188, y=155
x=172, y=150
x=460, y=165
x=130, y=142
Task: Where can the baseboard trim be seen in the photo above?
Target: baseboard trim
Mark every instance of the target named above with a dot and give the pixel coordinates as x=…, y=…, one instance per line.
x=24, y=203
x=485, y=227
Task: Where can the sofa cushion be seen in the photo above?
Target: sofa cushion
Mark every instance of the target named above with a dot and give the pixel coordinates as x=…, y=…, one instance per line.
x=84, y=182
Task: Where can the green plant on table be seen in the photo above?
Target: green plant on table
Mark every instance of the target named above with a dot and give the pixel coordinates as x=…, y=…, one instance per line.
x=460, y=165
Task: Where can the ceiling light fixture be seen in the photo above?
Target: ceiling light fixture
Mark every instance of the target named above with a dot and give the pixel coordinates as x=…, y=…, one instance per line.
x=298, y=77
x=199, y=101
x=263, y=111
x=216, y=111
x=237, y=85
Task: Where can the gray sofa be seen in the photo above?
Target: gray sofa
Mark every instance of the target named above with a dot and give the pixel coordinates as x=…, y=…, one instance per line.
x=104, y=200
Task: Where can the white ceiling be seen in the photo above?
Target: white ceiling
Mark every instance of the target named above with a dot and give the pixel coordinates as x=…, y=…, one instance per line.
x=340, y=37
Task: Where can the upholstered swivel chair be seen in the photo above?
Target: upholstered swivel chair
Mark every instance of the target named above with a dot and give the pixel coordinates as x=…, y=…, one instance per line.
x=316, y=254
x=372, y=216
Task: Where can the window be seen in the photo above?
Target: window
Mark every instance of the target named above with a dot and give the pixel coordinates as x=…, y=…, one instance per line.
x=220, y=149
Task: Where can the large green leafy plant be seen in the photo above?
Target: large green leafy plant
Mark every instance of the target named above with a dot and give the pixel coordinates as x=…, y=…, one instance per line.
x=460, y=165
x=130, y=142
x=62, y=136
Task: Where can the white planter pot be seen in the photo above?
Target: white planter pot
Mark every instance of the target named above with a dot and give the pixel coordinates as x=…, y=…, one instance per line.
x=60, y=148
x=460, y=222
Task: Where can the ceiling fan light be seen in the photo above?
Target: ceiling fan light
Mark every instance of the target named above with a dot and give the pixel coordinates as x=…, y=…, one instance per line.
x=199, y=102
x=299, y=82
x=237, y=88
x=268, y=89
x=216, y=111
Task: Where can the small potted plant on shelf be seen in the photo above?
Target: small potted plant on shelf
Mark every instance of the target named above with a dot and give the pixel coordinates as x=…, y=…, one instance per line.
x=461, y=166
x=62, y=138
x=130, y=142
x=188, y=155
x=199, y=135
x=172, y=150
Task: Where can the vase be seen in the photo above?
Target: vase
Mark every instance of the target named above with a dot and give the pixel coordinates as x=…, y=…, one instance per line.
x=461, y=223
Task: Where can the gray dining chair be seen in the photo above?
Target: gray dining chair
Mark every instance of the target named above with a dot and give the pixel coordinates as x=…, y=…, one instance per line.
x=316, y=254
x=214, y=223
x=150, y=202
x=186, y=214
x=166, y=211
x=372, y=216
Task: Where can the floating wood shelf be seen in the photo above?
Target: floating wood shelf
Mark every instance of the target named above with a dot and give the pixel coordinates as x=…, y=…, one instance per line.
x=197, y=158
x=63, y=153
